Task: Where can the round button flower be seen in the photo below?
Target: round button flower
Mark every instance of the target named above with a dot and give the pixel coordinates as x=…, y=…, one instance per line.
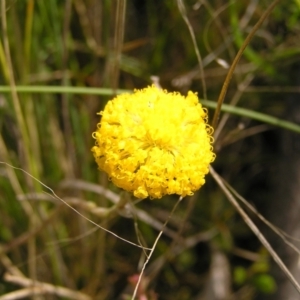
x=153, y=143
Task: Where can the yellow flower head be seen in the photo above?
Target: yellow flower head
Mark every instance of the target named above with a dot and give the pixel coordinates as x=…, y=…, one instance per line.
x=154, y=143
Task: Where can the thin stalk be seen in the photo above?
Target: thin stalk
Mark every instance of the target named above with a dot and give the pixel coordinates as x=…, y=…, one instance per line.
x=67, y=125
x=153, y=248
x=28, y=103
x=236, y=60
x=61, y=89
x=109, y=92
x=254, y=229
x=255, y=116
x=118, y=43
x=198, y=55
x=28, y=34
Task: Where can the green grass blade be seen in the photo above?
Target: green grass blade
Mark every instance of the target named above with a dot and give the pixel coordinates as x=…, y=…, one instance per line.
x=254, y=115
x=107, y=92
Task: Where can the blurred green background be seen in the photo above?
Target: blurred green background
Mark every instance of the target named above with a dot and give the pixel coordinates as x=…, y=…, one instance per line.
x=55, y=48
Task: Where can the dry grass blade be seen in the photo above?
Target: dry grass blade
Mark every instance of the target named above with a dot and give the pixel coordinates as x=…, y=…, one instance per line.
x=284, y=236
x=118, y=42
x=76, y=211
x=186, y=20
x=39, y=288
x=236, y=60
x=153, y=248
x=254, y=229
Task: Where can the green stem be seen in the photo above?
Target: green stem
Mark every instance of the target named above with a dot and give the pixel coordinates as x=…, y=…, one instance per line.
x=62, y=90
x=108, y=92
x=254, y=115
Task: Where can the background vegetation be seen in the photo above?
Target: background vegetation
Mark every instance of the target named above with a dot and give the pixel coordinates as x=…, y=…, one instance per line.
x=61, y=61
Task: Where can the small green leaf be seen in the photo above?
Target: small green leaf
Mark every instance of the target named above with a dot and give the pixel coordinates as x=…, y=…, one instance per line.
x=239, y=275
x=260, y=267
x=264, y=283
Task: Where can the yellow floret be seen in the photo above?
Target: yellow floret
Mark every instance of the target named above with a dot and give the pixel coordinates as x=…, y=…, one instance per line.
x=153, y=143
